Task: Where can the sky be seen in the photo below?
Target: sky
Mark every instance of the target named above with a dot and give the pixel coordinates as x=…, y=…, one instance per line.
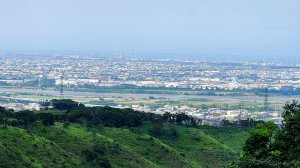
x=250, y=28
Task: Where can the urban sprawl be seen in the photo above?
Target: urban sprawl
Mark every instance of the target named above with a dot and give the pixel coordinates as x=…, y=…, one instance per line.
x=149, y=85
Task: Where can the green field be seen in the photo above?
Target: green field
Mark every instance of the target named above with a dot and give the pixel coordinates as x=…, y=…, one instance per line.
x=249, y=102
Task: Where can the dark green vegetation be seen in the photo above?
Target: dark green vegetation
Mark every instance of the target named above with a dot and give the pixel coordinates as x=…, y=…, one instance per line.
x=107, y=137
x=270, y=146
x=72, y=135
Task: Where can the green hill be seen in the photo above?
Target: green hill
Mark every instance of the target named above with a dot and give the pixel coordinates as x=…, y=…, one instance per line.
x=88, y=137
x=57, y=146
x=200, y=147
x=18, y=148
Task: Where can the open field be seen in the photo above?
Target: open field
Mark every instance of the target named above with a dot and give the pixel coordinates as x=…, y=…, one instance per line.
x=252, y=103
x=158, y=101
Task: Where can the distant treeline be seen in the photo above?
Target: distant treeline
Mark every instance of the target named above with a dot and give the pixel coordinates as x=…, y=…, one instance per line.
x=74, y=112
x=77, y=113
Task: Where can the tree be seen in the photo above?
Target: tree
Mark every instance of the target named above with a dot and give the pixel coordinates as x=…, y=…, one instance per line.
x=181, y=117
x=3, y=115
x=47, y=118
x=270, y=146
x=26, y=118
x=167, y=116
x=174, y=134
x=97, y=156
x=287, y=141
x=65, y=104
x=110, y=117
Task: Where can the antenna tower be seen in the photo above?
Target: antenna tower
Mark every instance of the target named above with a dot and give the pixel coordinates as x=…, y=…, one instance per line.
x=39, y=87
x=241, y=105
x=266, y=101
x=61, y=87
x=266, y=93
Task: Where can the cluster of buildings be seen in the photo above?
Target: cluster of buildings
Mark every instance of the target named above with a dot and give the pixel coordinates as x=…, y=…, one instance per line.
x=213, y=115
x=21, y=106
x=102, y=71
x=80, y=71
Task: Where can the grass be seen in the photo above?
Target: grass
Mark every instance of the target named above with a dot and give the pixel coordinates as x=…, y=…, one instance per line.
x=232, y=137
x=202, y=147
x=18, y=148
x=151, y=148
x=57, y=146
x=77, y=138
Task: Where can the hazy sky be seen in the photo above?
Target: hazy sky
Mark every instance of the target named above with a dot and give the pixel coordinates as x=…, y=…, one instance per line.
x=208, y=27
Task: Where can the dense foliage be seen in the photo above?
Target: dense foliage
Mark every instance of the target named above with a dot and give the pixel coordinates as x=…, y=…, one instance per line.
x=107, y=116
x=271, y=146
x=89, y=116
x=65, y=104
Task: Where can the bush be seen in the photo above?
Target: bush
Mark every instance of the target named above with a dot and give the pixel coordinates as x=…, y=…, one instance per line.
x=157, y=130
x=196, y=137
x=174, y=134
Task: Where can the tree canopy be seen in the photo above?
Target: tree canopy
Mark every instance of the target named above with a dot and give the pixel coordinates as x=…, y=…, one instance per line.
x=273, y=146
x=65, y=104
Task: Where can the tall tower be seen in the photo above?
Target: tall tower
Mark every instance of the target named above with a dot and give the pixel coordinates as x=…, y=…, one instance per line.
x=61, y=87
x=266, y=93
x=243, y=114
x=266, y=109
x=241, y=110
x=18, y=86
x=76, y=81
x=39, y=85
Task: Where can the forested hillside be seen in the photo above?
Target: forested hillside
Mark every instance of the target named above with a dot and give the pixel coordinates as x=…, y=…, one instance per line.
x=78, y=136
